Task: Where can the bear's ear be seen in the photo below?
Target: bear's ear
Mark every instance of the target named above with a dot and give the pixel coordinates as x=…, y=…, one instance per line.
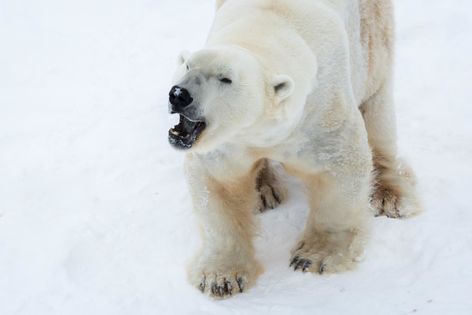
x=183, y=57
x=283, y=87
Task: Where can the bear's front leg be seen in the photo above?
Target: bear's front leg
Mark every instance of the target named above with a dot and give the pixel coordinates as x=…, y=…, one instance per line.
x=224, y=198
x=337, y=227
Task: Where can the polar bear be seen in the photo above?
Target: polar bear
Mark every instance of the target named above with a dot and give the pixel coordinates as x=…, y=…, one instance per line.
x=306, y=83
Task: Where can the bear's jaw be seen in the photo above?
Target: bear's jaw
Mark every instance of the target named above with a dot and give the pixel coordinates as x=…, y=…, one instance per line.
x=184, y=135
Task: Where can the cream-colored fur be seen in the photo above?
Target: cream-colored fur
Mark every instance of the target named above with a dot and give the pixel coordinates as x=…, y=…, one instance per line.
x=301, y=70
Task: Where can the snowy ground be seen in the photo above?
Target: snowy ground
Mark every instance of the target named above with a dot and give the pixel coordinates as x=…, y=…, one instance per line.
x=94, y=213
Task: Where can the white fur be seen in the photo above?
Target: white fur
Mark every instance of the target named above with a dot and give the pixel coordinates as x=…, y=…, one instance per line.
x=300, y=71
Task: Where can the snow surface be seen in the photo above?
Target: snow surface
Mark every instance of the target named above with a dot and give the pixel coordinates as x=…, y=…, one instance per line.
x=95, y=217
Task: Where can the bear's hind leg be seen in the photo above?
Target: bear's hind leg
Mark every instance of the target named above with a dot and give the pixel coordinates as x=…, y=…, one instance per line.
x=393, y=192
x=270, y=190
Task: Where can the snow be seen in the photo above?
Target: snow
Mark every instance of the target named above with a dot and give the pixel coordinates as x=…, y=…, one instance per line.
x=95, y=217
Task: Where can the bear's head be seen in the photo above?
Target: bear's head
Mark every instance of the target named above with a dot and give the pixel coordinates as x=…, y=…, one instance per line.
x=223, y=94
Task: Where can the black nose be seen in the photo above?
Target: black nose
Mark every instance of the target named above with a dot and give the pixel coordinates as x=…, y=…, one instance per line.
x=179, y=98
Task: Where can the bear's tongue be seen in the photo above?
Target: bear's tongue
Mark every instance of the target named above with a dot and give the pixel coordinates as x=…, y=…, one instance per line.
x=184, y=135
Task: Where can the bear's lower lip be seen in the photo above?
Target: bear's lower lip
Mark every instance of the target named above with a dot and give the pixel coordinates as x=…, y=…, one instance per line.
x=184, y=135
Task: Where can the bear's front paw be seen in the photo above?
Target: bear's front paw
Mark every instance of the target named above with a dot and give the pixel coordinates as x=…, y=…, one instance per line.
x=223, y=283
x=327, y=253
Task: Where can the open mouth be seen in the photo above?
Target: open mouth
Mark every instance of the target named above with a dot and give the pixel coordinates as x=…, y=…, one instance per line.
x=186, y=133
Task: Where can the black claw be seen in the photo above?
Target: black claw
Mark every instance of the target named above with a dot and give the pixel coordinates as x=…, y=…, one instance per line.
x=300, y=264
x=228, y=287
x=306, y=265
x=322, y=268
x=294, y=261
x=276, y=196
x=203, y=284
x=239, y=281
x=264, y=201
x=214, y=289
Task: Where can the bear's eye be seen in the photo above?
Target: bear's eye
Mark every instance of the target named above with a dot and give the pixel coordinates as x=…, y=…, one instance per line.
x=188, y=68
x=226, y=81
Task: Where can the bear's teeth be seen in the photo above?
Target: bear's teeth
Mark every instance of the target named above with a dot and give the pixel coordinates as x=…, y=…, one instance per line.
x=175, y=132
